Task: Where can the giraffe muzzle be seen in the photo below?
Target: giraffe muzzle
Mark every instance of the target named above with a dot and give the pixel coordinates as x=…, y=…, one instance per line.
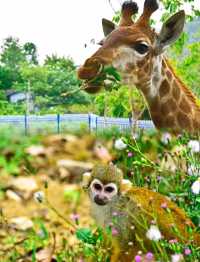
x=90, y=70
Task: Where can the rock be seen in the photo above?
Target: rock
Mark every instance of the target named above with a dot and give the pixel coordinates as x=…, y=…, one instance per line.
x=102, y=153
x=59, y=139
x=44, y=255
x=41, y=213
x=13, y=196
x=36, y=150
x=24, y=186
x=21, y=223
x=63, y=173
x=76, y=168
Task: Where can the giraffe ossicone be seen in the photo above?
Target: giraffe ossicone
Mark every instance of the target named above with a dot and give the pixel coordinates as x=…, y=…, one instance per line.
x=137, y=52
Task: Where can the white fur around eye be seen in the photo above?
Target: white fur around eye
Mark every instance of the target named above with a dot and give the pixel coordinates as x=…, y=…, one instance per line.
x=114, y=186
x=92, y=185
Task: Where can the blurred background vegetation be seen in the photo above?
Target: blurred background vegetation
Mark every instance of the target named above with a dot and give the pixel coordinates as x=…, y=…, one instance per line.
x=27, y=86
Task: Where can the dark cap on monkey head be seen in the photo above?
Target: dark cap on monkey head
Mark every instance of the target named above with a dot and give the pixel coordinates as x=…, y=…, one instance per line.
x=107, y=173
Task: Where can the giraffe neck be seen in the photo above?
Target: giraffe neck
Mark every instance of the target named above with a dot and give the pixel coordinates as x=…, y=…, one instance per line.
x=171, y=104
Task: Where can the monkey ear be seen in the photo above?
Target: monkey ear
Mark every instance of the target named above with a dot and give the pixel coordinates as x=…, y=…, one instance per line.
x=125, y=186
x=170, y=32
x=86, y=179
x=108, y=26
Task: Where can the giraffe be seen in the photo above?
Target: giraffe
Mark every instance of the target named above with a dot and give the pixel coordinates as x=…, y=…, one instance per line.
x=137, y=52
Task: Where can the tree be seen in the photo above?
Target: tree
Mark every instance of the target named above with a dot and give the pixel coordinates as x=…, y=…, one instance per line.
x=11, y=58
x=30, y=51
x=63, y=81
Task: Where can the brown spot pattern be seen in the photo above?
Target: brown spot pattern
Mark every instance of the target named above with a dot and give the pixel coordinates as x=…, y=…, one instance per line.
x=173, y=105
x=168, y=106
x=183, y=120
x=185, y=106
x=158, y=120
x=170, y=121
x=165, y=108
x=164, y=88
x=146, y=68
x=155, y=106
x=176, y=92
x=141, y=63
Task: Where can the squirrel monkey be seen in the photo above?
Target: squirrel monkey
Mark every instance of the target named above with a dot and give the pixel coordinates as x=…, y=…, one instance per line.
x=133, y=212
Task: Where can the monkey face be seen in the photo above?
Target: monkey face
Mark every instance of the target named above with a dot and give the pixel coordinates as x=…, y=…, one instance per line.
x=102, y=194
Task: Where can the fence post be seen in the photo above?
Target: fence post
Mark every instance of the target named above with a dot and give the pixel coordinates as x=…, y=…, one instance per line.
x=96, y=122
x=26, y=124
x=58, y=123
x=130, y=122
x=89, y=122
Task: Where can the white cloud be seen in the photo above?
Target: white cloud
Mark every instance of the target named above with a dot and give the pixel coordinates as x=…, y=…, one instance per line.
x=57, y=26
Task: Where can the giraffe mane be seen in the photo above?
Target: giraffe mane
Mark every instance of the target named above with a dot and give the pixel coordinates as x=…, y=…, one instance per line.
x=186, y=90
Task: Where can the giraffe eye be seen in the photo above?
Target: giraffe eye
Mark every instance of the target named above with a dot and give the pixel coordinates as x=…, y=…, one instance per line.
x=141, y=48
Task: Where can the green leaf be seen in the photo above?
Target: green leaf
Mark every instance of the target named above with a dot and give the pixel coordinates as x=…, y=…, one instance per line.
x=86, y=236
x=113, y=72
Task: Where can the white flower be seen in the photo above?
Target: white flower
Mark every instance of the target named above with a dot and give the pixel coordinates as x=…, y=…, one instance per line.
x=153, y=233
x=177, y=258
x=119, y=144
x=193, y=170
x=194, y=146
x=196, y=187
x=166, y=137
x=135, y=136
x=39, y=196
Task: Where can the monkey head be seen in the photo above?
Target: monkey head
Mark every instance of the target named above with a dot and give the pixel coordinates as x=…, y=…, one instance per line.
x=105, y=184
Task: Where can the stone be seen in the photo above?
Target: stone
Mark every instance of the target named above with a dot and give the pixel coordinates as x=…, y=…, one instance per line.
x=76, y=168
x=21, y=223
x=13, y=196
x=36, y=150
x=24, y=186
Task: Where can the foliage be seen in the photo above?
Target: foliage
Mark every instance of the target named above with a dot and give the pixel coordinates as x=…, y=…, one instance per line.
x=52, y=84
x=186, y=59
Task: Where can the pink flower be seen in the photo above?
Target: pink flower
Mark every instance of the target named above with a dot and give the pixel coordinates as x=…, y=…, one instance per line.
x=164, y=205
x=149, y=256
x=130, y=154
x=187, y=251
x=75, y=217
x=114, y=231
x=138, y=258
x=172, y=241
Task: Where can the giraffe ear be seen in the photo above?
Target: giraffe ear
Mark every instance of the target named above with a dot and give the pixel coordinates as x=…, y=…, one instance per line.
x=108, y=26
x=170, y=32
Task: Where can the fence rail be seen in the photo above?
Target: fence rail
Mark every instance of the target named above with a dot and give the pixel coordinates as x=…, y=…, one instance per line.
x=60, y=122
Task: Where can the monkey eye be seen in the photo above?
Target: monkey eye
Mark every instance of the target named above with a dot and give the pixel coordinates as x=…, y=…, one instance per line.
x=109, y=189
x=97, y=186
x=141, y=48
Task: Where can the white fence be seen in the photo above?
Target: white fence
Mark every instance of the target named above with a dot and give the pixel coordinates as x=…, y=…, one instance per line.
x=60, y=122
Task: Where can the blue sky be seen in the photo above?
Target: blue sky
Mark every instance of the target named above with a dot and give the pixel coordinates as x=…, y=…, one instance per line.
x=57, y=26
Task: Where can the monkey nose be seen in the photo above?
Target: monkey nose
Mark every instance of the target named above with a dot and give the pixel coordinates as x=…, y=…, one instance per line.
x=100, y=200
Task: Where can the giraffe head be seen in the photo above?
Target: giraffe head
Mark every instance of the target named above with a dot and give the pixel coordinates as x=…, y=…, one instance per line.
x=132, y=47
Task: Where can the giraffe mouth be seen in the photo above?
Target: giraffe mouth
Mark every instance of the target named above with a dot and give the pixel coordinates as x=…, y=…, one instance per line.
x=102, y=76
